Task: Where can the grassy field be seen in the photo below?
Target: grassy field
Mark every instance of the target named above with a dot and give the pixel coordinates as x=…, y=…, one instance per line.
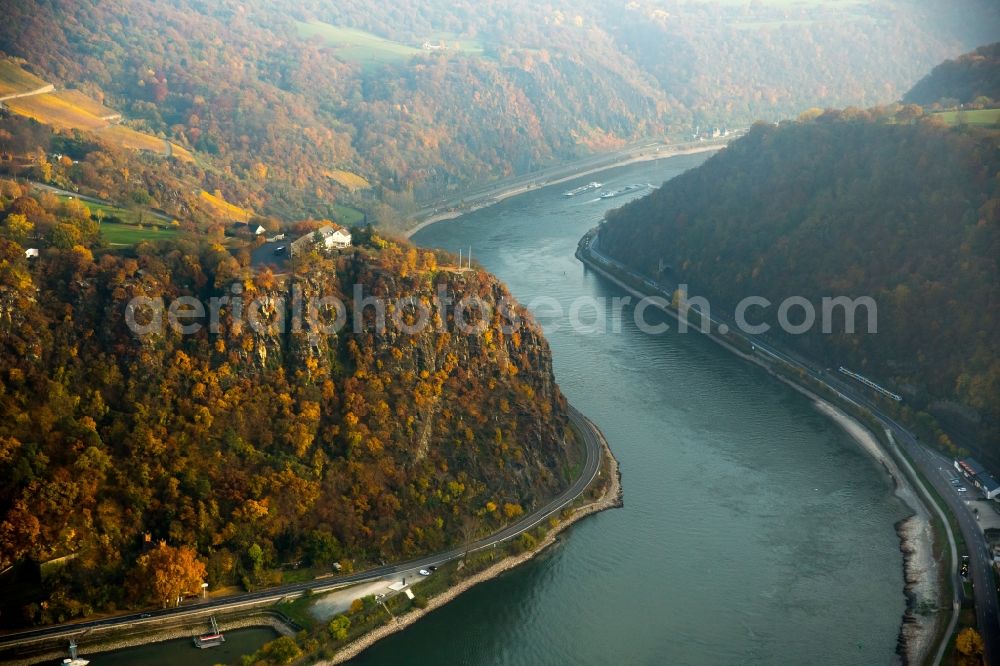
x=84, y=103
x=984, y=117
x=50, y=109
x=129, y=234
x=347, y=216
x=71, y=109
x=351, y=181
x=127, y=217
x=183, y=154
x=126, y=137
x=222, y=208
x=357, y=45
x=130, y=139
x=127, y=231
x=14, y=80
x=368, y=49
x=454, y=43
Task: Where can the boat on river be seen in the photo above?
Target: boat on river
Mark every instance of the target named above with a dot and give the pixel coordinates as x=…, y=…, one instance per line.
x=624, y=190
x=212, y=639
x=583, y=188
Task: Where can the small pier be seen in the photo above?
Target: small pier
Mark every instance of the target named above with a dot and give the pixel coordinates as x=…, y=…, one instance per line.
x=212, y=639
x=74, y=660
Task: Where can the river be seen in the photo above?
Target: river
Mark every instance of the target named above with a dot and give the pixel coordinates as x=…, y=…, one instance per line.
x=754, y=531
x=182, y=651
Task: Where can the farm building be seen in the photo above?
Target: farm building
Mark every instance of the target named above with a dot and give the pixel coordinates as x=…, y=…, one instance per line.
x=329, y=237
x=255, y=229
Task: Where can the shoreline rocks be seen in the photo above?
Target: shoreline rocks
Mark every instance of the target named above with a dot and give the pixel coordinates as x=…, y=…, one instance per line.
x=612, y=497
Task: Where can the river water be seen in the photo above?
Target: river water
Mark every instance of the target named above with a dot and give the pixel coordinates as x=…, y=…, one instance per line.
x=182, y=651
x=754, y=530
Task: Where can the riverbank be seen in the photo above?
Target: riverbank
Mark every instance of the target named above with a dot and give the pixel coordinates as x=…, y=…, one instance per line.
x=597, y=487
x=502, y=191
x=611, y=497
x=916, y=542
x=188, y=629
x=924, y=597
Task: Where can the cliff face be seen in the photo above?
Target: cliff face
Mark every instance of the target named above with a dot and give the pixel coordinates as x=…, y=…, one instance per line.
x=258, y=444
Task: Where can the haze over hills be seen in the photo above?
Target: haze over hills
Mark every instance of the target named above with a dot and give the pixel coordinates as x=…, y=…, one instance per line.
x=200, y=134
x=889, y=203
x=970, y=79
x=420, y=98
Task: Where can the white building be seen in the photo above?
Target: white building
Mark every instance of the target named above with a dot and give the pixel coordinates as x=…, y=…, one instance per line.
x=257, y=230
x=338, y=238
x=979, y=477
x=326, y=238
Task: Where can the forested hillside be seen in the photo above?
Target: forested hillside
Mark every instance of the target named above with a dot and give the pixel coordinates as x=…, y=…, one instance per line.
x=973, y=77
x=276, y=99
x=855, y=203
x=248, y=448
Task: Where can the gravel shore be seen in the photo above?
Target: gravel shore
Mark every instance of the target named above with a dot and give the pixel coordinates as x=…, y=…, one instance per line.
x=916, y=542
x=925, y=601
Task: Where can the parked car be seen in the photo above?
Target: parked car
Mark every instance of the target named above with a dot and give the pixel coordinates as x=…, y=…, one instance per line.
x=962, y=489
x=425, y=572
x=281, y=249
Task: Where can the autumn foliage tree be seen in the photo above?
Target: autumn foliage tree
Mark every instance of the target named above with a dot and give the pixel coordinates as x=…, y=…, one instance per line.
x=874, y=203
x=339, y=626
x=166, y=574
x=969, y=648
x=553, y=81
x=248, y=448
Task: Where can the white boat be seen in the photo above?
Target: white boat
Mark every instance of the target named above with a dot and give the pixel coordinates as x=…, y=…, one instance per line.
x=625, y=190
x=583, y=188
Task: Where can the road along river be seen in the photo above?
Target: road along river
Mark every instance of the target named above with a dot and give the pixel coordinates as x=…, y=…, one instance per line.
x=755, y=530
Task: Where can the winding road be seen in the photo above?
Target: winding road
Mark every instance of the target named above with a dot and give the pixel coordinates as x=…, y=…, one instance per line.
x=473, y=198
x=592, y=441
x=930, y=462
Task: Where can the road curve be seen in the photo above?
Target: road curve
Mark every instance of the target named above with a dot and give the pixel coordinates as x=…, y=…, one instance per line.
x=47, y=88
x=581, y=424
x=557, y=173
x=928, y=460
